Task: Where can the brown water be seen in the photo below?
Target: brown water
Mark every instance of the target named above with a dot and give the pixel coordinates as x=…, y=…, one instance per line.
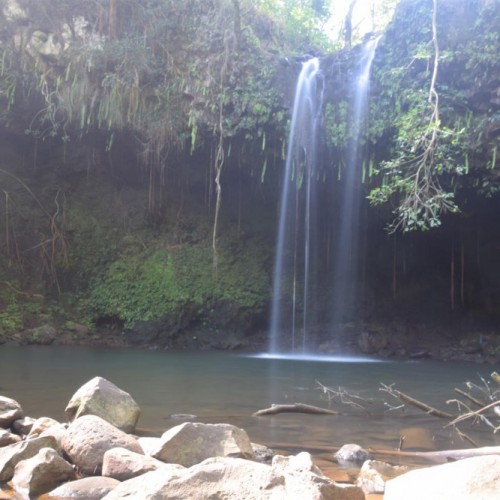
x=221, y=387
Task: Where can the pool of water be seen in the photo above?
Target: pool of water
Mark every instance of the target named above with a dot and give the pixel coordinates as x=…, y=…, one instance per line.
x=223, y=387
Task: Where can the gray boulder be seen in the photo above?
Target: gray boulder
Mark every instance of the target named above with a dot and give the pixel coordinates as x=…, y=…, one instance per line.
x=475, y=478
x=11, y=455
x=10, y=410
x=351, y=454
x=88, y=488
x=122, y=464
x=235, y=479
x=89, y=437
x=374, y=474
x=7, y=437
x=104, y=399
x=41, y=473
x=191, y=443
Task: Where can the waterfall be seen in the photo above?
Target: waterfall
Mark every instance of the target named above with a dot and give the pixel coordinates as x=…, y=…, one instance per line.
x=345, y=269
x=297, y=210
x=298, y=271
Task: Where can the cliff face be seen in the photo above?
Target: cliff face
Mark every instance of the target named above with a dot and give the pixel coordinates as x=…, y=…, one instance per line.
x=115, y=123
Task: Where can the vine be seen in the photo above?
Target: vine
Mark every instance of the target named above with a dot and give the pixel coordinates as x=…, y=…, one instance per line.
x=414, y=175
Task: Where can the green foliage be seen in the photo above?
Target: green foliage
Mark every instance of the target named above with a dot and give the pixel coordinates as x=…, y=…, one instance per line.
x=156, y=283
x=299, y=24
x=422, y=183
x=336, y=124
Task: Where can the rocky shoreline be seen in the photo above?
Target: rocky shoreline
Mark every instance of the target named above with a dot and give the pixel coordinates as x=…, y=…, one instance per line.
x=98, y=455
x=383, y=341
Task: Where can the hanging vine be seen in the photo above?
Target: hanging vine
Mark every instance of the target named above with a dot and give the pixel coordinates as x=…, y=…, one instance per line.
x=428, y=150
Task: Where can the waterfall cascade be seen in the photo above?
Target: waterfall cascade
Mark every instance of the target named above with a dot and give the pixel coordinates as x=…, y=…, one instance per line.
x=345, y=270
x=297, y=208
x=298, y=270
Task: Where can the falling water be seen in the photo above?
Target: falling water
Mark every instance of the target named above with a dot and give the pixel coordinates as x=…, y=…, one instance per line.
x=297, y=210
x=345, y=272
x=297, y=273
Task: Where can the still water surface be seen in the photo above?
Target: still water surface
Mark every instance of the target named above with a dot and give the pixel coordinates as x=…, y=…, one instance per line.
x=222, y=387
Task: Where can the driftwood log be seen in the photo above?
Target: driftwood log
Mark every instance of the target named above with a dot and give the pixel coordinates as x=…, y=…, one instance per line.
x=441, y=456
x=294, y=408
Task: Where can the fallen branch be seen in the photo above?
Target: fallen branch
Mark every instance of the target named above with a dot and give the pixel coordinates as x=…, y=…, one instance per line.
x=442, y=456
x=470, y=397
x=294, y=408
x=404, y=398
x=478, y=414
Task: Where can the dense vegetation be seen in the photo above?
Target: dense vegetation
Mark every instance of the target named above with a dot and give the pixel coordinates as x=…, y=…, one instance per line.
x=143, y=144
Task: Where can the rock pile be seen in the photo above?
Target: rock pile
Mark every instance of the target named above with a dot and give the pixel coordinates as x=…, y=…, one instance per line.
x=95, y=456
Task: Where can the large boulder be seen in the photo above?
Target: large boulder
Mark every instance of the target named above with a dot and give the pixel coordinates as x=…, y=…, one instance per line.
x=88, y=488
x=89, y=437
x=191, y=443
x=10, y=410
x=41, y=473
x=234, y=479
x=104, y=399
x=11, y=455
x=475, y=478
x=123, y=464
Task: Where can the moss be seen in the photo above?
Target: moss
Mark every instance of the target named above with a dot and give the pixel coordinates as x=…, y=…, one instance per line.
x=158, y=282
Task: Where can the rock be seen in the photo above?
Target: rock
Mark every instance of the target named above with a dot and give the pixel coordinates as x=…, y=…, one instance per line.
x=89, y=437
x=262, y=453
x=149, y=444
x=190, y=443
x=41, y=425
x=102, y=398
x=88, y=488
x=41, y=473
x=122, y=464
x=351, y=454
x=374, y=474
x=22, y=426
x=7, y=437
x=57, y=432
x=42, y=335
x=303, y=479
x=475, y=478
x=235, y=479
x=11, y=455
x=10, y=410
